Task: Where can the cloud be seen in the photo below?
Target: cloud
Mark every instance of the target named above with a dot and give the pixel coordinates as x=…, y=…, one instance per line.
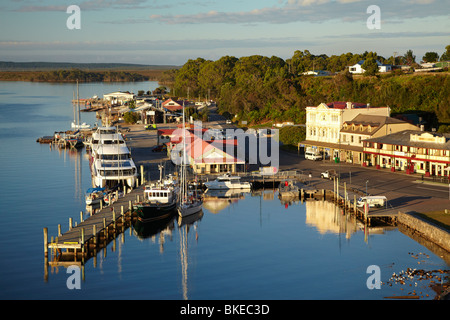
x=88, y=5
x=312, y=11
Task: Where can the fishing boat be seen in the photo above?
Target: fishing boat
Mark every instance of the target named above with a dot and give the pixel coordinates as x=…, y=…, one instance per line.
x=159, y=202
x=288, y=189
x=227, y=181
x=94, y=195
x=188, y=202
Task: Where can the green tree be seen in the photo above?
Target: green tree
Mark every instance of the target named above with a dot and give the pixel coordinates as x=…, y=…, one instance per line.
x=409, y=57
x=446, y=55
x=370, y=67
x=430, y=57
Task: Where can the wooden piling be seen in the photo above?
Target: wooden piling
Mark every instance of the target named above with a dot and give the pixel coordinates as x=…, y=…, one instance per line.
x=46, y=242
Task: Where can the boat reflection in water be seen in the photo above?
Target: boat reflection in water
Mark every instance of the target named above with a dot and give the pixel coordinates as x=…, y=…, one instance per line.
x=185, y=224
x=150, y=230
x=217, y=200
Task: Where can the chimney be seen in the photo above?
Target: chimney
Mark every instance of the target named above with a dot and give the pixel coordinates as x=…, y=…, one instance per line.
x=349, y=105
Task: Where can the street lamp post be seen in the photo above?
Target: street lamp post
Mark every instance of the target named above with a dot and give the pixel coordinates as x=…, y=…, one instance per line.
x=366, y=186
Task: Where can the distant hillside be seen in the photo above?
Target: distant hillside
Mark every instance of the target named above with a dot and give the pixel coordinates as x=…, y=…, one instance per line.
x=47, y=66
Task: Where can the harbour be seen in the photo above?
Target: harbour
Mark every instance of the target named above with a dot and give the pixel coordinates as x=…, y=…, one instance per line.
x=218, y=255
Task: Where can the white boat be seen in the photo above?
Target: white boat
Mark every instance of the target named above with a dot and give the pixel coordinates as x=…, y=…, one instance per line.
x=188, y=203
x=227, y=181
x=105, y=135
x=113, y=163
x=80, y=126
x=94, y=195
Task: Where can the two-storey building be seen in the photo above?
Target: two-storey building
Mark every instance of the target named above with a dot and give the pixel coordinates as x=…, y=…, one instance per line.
x=362, y=127
x=324, y=122
x=412, y=151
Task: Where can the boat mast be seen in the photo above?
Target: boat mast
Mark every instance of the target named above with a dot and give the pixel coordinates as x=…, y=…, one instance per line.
x=78, y=107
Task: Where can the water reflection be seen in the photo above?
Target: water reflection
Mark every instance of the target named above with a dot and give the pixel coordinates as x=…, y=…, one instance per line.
x=217, y=200
x=326, y=217
x=185, y=225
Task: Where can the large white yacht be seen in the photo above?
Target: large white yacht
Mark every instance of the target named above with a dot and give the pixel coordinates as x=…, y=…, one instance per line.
x=105, y=135
x=113, y=162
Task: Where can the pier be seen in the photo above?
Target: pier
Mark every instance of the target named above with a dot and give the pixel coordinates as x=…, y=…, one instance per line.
x=346, y=199
x=83, y=240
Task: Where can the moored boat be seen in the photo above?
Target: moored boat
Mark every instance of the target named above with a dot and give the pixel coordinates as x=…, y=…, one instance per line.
x=288, y=189
x=94, y=195
x=159, y=202
x=227, y=181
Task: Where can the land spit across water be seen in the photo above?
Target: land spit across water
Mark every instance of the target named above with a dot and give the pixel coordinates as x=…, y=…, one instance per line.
x=84, y=72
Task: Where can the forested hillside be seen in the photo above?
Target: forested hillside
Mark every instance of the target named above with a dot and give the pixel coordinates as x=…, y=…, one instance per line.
x=261, y=89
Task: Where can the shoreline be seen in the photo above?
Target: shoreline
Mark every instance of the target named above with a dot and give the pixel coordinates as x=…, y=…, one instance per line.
x=398, y=192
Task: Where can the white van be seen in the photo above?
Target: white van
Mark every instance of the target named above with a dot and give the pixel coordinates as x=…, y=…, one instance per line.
x=313, y=155
x=372, y=201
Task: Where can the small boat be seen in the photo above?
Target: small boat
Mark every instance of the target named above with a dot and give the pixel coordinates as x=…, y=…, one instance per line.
x=94, y=195
x=159, y=202
x=288, y=189
x=227, y=181
x=112, y=197
x=80, y=126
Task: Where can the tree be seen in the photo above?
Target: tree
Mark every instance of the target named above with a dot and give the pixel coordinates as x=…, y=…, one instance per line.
x=446, y=55
x=410, y=58
x=430, y=57
x=370, y=67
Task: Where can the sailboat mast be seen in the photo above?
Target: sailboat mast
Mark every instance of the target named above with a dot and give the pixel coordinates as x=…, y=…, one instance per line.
x=78, y=106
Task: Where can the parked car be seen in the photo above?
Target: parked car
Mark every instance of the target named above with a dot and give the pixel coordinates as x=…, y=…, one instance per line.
x=150, y=127
x=372, y=201
x=159, y=148
x=329, y=174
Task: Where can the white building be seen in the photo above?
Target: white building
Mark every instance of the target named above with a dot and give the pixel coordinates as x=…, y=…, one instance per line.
x=324, y=123
x=357, y=68
x=119, y=97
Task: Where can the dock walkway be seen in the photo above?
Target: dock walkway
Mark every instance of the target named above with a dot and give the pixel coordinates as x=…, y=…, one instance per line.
x=96, y=229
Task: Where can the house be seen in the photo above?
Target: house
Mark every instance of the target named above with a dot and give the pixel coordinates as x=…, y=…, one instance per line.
x=119, y=97
x=317, y=73
x=172, y=105
x=324, y=123
x=412, y=151
x=357, y=68
x=205, y=156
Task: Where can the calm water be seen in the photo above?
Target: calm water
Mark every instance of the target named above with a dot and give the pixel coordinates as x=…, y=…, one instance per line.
x=252, y=248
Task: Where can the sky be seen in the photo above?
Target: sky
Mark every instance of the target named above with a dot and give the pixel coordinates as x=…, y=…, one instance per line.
x=170, y=32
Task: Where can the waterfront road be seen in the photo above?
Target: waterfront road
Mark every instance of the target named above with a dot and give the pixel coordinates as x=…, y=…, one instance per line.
x=404, y=192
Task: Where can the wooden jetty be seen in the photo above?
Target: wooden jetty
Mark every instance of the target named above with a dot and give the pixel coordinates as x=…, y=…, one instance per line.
x=346, y=199
x=83, y=240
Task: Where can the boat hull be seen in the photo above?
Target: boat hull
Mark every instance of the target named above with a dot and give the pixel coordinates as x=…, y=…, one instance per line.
x=187, y=210
x=150, y=212
x=224, y=186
